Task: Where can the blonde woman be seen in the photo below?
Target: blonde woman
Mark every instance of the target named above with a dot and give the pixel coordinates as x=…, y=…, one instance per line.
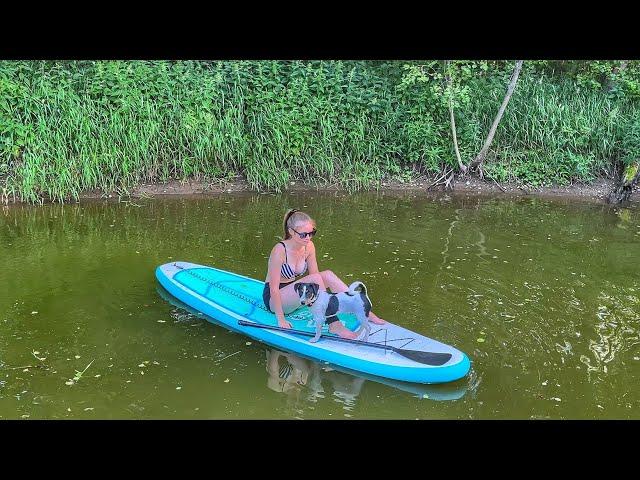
x=293, y=260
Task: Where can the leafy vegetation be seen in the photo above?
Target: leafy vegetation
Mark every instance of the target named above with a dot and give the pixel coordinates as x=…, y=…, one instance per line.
x=67, y=127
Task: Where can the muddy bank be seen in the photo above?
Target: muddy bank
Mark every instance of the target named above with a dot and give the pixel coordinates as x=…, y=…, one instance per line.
x=596, y=191
x=470, y=186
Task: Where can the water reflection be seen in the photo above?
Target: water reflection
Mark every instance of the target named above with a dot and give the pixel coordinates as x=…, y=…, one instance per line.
x=306, y=382
x=303, y=379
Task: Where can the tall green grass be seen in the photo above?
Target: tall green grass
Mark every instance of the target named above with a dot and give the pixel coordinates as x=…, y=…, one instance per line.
x=68, y=127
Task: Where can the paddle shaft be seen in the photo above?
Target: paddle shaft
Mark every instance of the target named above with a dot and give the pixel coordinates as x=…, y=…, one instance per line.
x=427, y=358
x=310, y=334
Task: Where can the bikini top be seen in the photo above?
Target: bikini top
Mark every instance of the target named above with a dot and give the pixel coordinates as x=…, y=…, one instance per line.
x=287, y=270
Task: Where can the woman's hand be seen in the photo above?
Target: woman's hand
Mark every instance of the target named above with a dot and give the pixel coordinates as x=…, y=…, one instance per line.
x=284, y=324
x=376, y=319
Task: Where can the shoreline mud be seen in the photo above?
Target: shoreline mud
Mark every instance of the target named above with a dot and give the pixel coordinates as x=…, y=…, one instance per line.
x=596, y=191
x=471, y=186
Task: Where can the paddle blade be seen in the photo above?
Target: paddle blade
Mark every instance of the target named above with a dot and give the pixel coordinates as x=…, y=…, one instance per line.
x=428, y=358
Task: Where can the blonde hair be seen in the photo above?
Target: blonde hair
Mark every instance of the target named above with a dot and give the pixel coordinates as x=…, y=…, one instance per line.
x=294, y=217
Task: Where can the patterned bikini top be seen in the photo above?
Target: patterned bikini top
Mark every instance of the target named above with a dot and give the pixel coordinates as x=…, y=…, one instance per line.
x=287, y=270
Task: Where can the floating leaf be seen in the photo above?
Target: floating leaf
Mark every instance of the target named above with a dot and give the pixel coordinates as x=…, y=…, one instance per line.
x=178, y=388
x=33, y=313
x=226, y=381
x=248, y=343
x=77, y=356
x=70, y=382
x=480, y=340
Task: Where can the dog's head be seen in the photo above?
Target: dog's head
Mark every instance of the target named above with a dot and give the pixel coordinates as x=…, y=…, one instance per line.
x=308, y=292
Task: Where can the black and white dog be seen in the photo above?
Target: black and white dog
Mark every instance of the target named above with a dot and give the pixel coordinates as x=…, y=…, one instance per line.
x=324, y=304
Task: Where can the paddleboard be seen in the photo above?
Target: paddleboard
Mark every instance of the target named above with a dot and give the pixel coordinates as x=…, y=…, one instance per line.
x=235, y=301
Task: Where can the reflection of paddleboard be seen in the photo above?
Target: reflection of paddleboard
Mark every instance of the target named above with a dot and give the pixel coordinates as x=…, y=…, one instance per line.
x=448, y=391
x=235, y=301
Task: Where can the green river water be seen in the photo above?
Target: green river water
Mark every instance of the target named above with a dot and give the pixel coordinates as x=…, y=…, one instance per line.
x=542, y=295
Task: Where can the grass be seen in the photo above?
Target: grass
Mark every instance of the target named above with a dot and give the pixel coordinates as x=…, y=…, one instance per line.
x=67, y=127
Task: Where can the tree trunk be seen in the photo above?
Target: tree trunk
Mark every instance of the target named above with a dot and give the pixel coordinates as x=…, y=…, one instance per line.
x=462, y=166
x=477, y=162
x=611, y=83
x=629, y=180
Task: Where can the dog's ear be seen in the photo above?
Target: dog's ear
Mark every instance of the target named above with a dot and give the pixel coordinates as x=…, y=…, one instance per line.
x=314, y=288
x=297, y=288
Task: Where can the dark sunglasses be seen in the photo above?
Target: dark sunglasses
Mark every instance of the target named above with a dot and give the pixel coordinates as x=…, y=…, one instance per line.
x=305, y=234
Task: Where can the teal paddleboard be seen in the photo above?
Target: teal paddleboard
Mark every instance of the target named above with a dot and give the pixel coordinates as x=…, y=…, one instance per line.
x=235, y=301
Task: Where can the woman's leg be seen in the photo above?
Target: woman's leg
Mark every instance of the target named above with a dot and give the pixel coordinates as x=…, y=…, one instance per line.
x=336, y=285
x=289, y=297
x=291, y=301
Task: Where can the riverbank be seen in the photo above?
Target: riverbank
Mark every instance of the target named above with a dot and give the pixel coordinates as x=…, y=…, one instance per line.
x=596, y=191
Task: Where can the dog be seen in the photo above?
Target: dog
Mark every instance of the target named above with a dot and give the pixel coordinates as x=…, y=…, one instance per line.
x=325, y=305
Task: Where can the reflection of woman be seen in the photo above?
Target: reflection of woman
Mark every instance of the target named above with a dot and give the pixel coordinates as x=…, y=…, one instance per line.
x=288, y=375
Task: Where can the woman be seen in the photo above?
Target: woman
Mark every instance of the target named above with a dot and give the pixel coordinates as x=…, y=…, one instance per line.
x=290, y=259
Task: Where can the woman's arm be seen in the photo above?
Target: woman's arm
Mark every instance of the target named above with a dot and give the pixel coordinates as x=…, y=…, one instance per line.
x=276, y=259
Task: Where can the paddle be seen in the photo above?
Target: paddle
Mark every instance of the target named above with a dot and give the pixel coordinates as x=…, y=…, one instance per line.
x=428, y=358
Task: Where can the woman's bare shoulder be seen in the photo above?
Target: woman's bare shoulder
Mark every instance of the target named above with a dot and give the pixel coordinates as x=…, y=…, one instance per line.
x=278, y=250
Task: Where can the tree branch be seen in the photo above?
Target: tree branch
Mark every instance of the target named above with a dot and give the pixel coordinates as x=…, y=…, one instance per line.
x=487, y=144
x=462, y=166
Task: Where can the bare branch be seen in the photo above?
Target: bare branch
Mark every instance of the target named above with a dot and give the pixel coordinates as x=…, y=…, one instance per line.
x=487, y=144
x=462, y=166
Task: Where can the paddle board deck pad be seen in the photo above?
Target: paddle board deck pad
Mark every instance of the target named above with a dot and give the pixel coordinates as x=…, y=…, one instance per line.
x=235, y=301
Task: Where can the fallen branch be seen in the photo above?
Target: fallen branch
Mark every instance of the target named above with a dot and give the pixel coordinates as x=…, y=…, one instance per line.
x=218, y=361
x=503, y=190
x=437, y=182
x=26, y=366
x=448, y=184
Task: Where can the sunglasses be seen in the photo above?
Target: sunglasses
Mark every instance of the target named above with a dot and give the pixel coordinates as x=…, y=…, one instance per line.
x=305, y=234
